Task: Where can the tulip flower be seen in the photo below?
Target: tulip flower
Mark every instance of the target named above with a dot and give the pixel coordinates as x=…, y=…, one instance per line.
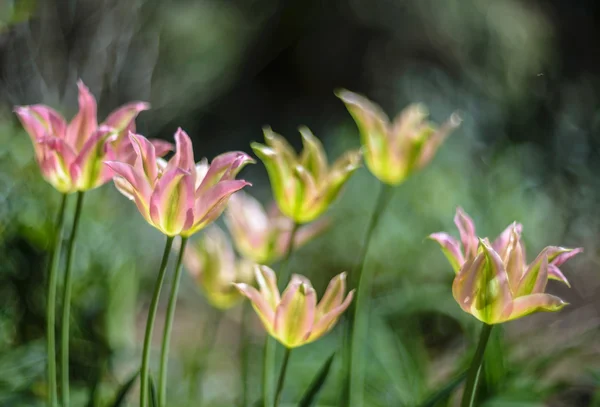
x=495, y=284
x=71, y=155
x=393, y=150
x=213, y=265
x=294, y=318
x=304, y=185
x=263, y=236
x=178, y=197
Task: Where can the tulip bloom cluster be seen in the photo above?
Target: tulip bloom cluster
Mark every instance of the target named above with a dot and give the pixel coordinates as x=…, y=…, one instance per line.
x=71, y=155
x=493, y=282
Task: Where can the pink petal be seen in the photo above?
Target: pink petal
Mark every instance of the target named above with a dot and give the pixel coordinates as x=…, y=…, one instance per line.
x=172, y=201
x=334, y=295
x=502, y=241
x=451, y=248
x=88, y=165
x=529, y=304
x=52, y=120
x=466, y=228
x=85, y=122
x=123, y=116
x=146, y=156
x=184, y=153
x=327, y=321
x=262, y=308
x=554, y=273
x=224, y=167
x=161, y=147
x=566, y=255
x=267, y=282
x=535, y=278
x=282, y=311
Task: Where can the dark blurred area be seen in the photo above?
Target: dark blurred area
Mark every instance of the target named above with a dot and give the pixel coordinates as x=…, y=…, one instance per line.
x=525, y=76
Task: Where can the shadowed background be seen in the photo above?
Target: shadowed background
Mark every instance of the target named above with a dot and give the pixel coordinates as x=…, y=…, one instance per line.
x=525, y=76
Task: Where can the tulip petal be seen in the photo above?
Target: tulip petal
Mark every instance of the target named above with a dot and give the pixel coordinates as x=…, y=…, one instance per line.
x=224, y=167
x=280, y=145
x=121, y=118
x=161, y=147
x=466, y=228
x=267, y=283
x=564, y=255
x=503, y=239
x=211, y=203
x=535, y=278
x=493, y=291
x=554, y=273
x=529, y=304
x=463, y=286
x=328, y=320
x=184, y=153
x=295, y=314
x=434, y=141
x=145, y=162
x=260, y=305
x=88, y=165
x=313, y=155
x=451, y=248
x=171, y=203
x=85, y=121
x=514, y=259
x=334, y=295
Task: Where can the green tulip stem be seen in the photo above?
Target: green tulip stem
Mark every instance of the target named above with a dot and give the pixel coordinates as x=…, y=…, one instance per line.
x=51, y=303
x=66, y=303
x=164, y=352
x=144, y=371
x=359, y=326
x=470, y=391
x=245, y=352
x=284, y=366
x=269, y=354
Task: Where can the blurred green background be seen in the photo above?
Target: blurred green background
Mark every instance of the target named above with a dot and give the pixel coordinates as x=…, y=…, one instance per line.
x=525, y=75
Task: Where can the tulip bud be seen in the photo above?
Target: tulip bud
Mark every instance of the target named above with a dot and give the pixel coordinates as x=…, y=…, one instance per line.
x=394, y=150
x=212, y=263
x=303, y=186
x=295, y=318
x=264, y=237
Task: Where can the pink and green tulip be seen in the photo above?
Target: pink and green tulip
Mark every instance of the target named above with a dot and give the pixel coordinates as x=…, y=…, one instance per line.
x=304, y=185
x=71, y=155
x=493, y=282
x=393, y=150
x=212, y=263
x=294, y=318
x=178, y=197
x=263, y=236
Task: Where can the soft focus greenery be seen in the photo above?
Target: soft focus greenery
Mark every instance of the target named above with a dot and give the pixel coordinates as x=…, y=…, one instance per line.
x=527, y=150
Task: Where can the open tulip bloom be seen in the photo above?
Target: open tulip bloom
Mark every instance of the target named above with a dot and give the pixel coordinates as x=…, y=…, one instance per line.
x=212, y=263
x=395, y=149
x=71, y=155
x=493, y=282
x=262, y=236
x=304, y=185
x=178, y=197
x=294, y=318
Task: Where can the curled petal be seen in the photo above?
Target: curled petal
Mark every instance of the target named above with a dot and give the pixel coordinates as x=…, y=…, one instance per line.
x=451, y=248
x=464, y=284
x=184, y=153
x=281, y=174
x=529, y=304
x=334, y=295
x=122, y=117
x=502, y=241
x=279, y=144
x=171, y=203
x=466, y=228
x=224, y=167
x=565, y=255
x=267, y=282
x=554, y=273
x=88, y=166
x=260, y=305
x=514, y=259
x=161, y=147
x=434, y=141
x=85, y=122
x=313, y=155
x=535, y=278
x=145, y=162
x=328, y=320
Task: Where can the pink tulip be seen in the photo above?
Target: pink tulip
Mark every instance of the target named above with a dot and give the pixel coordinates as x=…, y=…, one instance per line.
x=263, y=236
x=493, y=282
x=71, y=155
x=294, y=318
x=178, y=197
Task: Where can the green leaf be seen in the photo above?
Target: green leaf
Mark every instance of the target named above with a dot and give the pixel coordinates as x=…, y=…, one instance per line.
x=312, y=392
x=122, y=393
x=445, y=391
x=153, y=395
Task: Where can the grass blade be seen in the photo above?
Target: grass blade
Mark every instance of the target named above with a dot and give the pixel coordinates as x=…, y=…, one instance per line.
x=311, y=394
x=122, y=393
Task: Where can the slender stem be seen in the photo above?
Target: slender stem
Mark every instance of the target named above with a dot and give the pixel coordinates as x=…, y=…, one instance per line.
x=51, y=303
x=244, y=352
x=164, y=352
x=286, y=359
x=358, y=327
x=66, y=304
x=144, y=376
x=210, y=330
x=470, y=391
x=270, y=349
